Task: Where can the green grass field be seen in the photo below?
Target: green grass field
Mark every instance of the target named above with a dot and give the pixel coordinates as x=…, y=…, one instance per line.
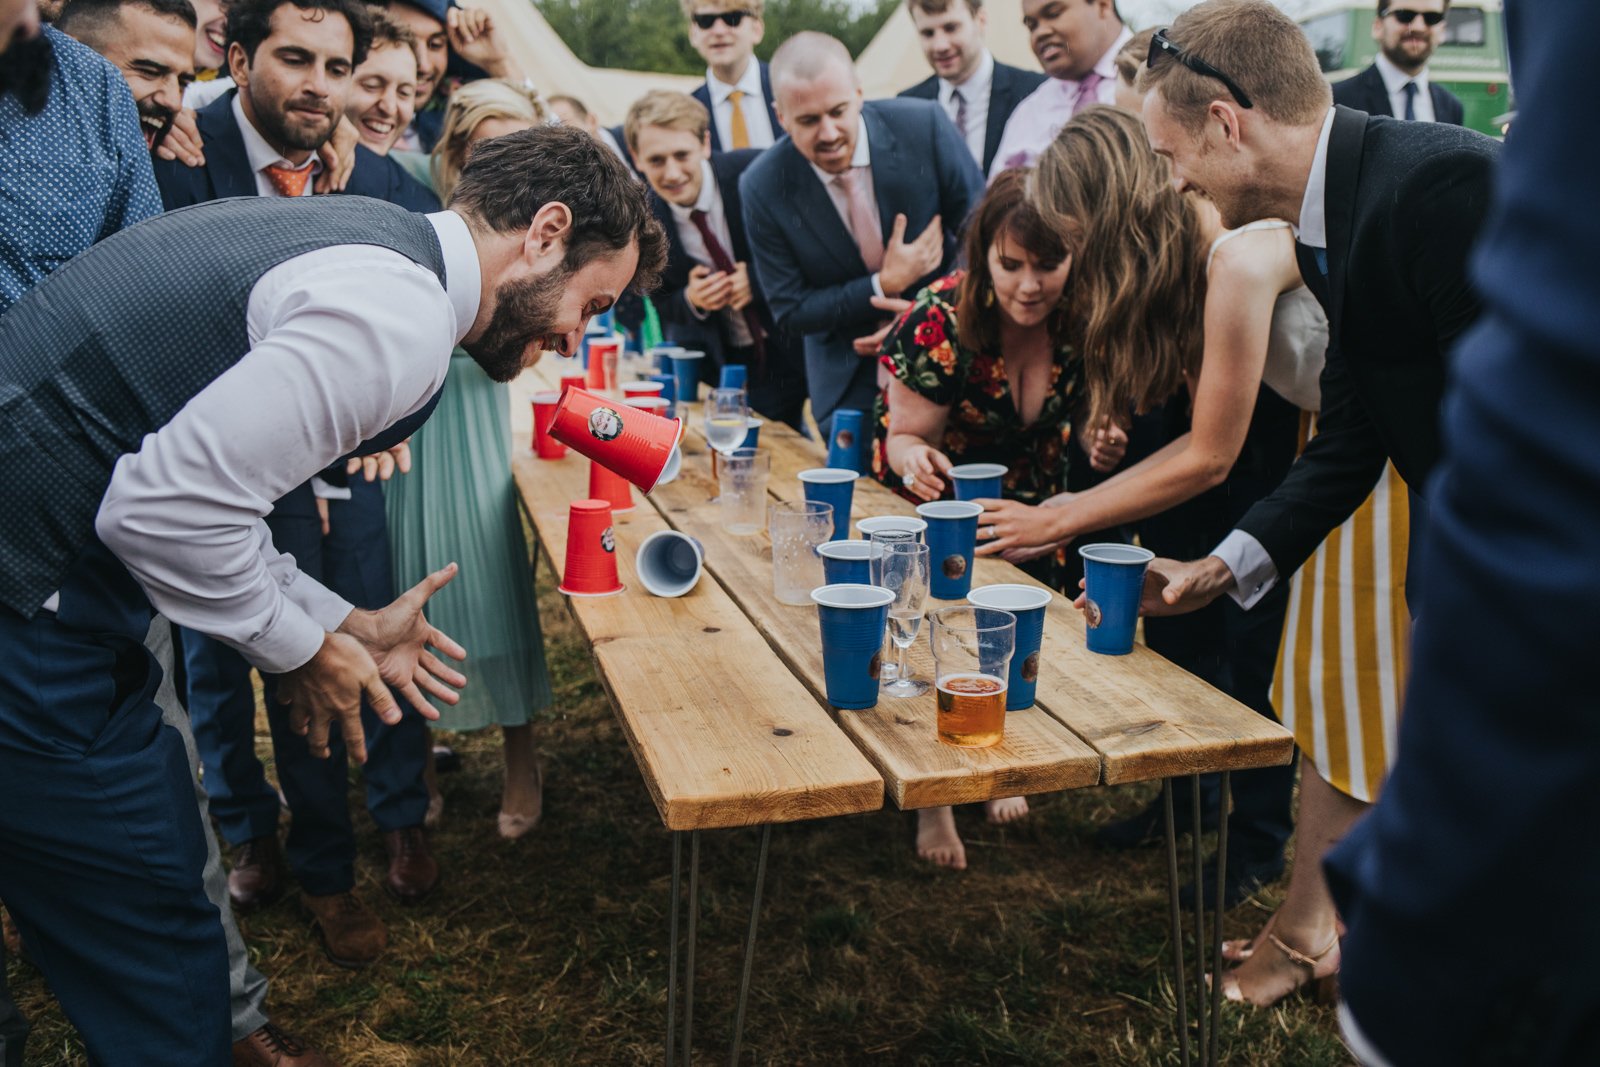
x=552, y=950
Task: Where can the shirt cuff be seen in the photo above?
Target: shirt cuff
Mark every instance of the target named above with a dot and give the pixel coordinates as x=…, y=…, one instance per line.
x=1254, y=573
x=696, y=312
x=290, y=642
x=327, y=491
x=877, y=285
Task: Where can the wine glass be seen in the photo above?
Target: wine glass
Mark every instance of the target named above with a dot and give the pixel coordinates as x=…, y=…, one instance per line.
x=727, y=422
x=903, y=570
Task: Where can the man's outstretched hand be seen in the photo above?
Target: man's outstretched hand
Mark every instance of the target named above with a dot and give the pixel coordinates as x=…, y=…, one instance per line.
x=1174, y=588
x=372, y=651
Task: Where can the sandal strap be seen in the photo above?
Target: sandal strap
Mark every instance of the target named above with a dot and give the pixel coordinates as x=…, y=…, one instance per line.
x=1299, y=957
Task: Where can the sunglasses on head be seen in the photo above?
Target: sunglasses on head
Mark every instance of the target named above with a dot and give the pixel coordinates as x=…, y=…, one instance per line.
x=1160, y=45
x=1405, y=16
x=731, y=19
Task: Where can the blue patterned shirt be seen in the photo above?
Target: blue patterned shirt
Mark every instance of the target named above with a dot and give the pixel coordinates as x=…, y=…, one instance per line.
x=75, y=172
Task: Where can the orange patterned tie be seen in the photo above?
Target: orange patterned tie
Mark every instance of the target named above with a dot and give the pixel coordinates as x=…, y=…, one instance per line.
x=289, y=181
x=736, y=126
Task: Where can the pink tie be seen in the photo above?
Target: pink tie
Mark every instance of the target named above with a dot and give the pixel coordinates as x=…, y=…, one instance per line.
x=863, y=219
x=1088, y=94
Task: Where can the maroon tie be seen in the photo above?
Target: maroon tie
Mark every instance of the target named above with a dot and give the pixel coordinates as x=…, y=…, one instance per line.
x=724, y=262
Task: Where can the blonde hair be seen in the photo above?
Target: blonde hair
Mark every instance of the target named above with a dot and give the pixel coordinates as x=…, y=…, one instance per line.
x=661, y=107
x=471, y=106
x=1136, y=294
x=1130, y=58
x=1253, y=43
x=706, y=7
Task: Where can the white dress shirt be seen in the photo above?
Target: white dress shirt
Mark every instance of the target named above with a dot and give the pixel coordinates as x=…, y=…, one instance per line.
x=1035, y=122
x=201, y=93
x=694, y=246
x=1254, y=573
x=345, y=341
x=861, y=163
x=975, y=91
x=262, y=155
x=757, y=123
x=1394, y=80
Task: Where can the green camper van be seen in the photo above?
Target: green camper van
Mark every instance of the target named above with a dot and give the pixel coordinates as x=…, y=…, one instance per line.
x=1470, y=63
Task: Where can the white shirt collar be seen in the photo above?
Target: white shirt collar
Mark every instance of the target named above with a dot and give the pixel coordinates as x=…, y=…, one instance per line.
x=463, y=276
x=256, y=149
x=709, y=200
x=976, y=85
x=1393, y=77
x=749, y=83
x=861, y=158
x=1313, y=228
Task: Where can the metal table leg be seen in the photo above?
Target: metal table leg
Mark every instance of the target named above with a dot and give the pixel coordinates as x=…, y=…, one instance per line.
x=672, y=947
x=1179, y=993
x=694, y=920
x=750, y=946
x=1197, y=852
x=1216, y=933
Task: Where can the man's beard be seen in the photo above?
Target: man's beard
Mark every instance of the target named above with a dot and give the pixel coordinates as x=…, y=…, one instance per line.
x=1406, y=61
x=523, y=310
x=156, y=132
x=280, y=133
x=25, y=70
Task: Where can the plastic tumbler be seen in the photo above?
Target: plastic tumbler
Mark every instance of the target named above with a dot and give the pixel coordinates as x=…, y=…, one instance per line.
x=1027, y=603
x=909, y=523
x=971, y=661
x=952, y=536
x=852, y=618
x=742, y=490
x=686, y=376
x=642, y=388
x=605, y=484
x=844, y=440
x=734, y=376
x=798, y=529
x=1113, y=578
x=669, y=563
x=544, y=412
x=669, y=386
x=974, y=481
x=573, y=378
x=752, y=437
x=630, y=441
x=835, y=486
x=847, y=562
x=591, y=562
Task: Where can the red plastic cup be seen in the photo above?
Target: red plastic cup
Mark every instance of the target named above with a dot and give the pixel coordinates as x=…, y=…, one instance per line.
x=643, y=389
x=633, y=442
x=603, y=357
x=573, y=378
x=611, y=487
x=544, y=410
x=591, y=566
x=655, y=404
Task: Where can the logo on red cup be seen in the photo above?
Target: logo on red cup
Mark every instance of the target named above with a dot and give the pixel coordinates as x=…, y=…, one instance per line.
x=608, y=540
x=605, y=424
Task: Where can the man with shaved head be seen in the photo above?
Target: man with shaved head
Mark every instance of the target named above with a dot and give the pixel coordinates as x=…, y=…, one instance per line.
x=860, y=205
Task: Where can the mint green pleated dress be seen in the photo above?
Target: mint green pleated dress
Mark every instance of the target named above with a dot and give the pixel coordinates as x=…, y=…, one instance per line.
x=459, y=503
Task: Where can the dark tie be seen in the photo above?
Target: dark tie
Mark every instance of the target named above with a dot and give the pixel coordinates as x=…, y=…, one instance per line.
x=724, y=262
x=961, y=112
x=1410, y=89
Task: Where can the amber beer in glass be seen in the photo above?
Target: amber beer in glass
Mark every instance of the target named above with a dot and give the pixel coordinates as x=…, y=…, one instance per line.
x=972, y=710
x=972, y=649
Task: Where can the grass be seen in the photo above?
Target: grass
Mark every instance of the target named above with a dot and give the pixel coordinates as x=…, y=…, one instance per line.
x=552, y=950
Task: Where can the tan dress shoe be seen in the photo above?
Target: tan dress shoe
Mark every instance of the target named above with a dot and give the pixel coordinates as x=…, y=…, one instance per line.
x=271, y=1047
x=413, y=872
x=352, y=935
x=259, y=874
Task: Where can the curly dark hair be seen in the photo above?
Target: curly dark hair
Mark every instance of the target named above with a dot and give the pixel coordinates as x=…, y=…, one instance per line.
x=506, y=181
x=250, y=22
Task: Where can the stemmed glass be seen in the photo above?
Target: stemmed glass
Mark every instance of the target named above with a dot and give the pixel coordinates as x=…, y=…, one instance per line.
x=903, y=570
x=727, y=421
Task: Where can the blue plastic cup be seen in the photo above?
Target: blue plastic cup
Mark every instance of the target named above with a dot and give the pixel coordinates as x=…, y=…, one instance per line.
x=1113, y=583
x=847, y=562
x=669, y=563
x=835, y=486
x=752, y=439
x=853, y=619
x=975, y=481
x=909, y=523
x=686, y=376
x=734, y=376
x=1027, y=603
x=669, y=386
x=845, y=440
x=952, y=536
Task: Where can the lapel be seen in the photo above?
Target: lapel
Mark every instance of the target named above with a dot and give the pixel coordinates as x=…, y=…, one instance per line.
x=1377, y=93
x=676, y=275
x=766, y=98
x=226, y=163
x=703, y=94
x=1001, y=105
x=725, y=173
x=1345, y=144
x=810, y=202
x=929, y=89
x=894, y=187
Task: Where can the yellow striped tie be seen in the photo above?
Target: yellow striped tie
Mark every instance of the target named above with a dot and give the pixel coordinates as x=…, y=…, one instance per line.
x=741, y=133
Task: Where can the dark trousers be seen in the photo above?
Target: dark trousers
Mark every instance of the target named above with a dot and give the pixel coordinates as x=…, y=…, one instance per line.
x=102, y=842
x=353, y=561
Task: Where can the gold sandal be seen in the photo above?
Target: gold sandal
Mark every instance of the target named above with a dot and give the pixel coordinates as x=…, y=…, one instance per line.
x=1323, y=987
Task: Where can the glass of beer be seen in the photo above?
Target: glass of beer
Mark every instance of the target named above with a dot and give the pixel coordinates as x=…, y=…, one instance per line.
x=972, y=650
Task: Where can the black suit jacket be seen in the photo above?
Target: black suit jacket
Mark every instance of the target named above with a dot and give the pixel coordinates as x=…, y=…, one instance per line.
x=1404, y=201
x=703, y=94
x=227, y=169
x=1010, y=86
x=1366, y=92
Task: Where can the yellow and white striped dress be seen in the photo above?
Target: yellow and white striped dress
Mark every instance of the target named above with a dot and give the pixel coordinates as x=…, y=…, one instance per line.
x=1342, y=664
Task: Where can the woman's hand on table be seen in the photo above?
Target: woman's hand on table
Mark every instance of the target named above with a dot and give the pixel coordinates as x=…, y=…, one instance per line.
x=922, y=471
x=1010, y=524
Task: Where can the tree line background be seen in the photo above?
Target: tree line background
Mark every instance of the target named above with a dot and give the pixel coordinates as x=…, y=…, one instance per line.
x=651, y=35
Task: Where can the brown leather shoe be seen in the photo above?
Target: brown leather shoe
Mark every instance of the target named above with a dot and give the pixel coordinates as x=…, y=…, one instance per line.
x=259, y=875
x=352, y=935
x=271, y=1047
x=413, y=872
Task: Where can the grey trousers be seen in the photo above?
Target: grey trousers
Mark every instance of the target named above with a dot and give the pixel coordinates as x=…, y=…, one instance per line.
x=248, y=987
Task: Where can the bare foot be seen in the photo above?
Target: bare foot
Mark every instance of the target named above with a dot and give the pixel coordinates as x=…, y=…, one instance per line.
x=1241, y=950
x=1281, y=964
x=521, y=804
x=1007, y=810
x=937, y=840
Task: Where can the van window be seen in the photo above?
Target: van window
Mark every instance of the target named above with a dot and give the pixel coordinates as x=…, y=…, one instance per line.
x=1329, y=35
x=1464, y=27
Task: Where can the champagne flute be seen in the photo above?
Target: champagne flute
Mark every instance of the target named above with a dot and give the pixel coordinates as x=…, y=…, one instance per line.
x=727, y=419
x=903, y=571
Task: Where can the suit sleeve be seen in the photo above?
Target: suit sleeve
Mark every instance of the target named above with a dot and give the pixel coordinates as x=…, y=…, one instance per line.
x=1448, y=203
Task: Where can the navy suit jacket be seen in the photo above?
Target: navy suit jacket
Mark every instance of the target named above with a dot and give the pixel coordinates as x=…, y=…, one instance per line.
x=703, y=94
x=1494, y=791
x=1366, y=92
x=227, y=169
x=1010, y=86
x=808, y=265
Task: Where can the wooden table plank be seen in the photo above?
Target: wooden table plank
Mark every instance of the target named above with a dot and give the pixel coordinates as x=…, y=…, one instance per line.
x=723, y=733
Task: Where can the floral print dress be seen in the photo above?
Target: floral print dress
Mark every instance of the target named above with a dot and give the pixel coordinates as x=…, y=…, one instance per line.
x=984, y=426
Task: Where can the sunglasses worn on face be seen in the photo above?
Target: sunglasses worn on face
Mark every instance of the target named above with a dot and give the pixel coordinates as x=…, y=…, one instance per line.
x=1405, y=16
x=729, y=18
x=1160, y=45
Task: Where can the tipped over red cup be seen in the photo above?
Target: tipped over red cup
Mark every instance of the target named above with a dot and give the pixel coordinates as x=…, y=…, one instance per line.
x=633, y=442
x=613, y=488
x=591, y=564
x=544, y=410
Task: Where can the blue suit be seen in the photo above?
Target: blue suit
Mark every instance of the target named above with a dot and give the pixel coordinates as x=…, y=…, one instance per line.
x=1011, y=85
x=1490, y=803
x=807, y=262
x=703, y=94
x=353, y=561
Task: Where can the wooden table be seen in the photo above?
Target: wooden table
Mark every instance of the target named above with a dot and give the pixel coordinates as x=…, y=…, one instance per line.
x=721, y=696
